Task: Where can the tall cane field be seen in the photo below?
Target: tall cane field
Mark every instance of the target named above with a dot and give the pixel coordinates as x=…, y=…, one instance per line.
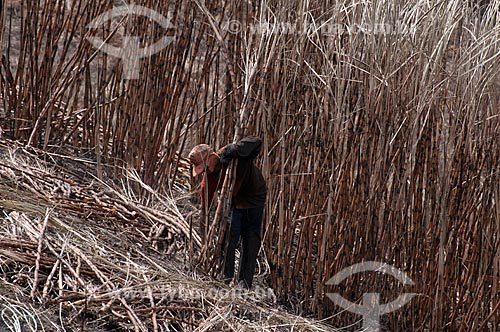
x=380, y=123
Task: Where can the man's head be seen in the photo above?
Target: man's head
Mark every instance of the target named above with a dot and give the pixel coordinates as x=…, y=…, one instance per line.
x=203, y=158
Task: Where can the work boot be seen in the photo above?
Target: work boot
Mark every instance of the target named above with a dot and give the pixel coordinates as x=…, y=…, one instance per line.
x=248, y=262
x=230, y=256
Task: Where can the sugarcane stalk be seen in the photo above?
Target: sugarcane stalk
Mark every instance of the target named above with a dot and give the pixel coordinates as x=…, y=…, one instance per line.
x=3, y=9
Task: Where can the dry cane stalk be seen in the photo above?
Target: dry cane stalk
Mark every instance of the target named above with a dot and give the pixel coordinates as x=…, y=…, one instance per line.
x=228, y=183
x=153, y=306
x=39, y=252
x=225, y=197
x=3, y=11
x=57, y=264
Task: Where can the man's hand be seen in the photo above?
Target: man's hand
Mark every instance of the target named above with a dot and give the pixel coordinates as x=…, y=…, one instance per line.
x=227, y=154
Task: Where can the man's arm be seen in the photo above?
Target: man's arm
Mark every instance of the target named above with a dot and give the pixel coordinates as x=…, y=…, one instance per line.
x=247, y=147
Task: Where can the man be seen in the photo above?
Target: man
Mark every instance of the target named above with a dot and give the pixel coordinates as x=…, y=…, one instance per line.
x=249, y=196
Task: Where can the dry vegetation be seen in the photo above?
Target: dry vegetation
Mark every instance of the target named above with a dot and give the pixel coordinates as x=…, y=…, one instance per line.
x=78, y=253
x=380, y=122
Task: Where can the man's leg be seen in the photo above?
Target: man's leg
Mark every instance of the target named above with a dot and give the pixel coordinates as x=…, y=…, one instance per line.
x=232, y=244
x=244, y=251
x=251, y=227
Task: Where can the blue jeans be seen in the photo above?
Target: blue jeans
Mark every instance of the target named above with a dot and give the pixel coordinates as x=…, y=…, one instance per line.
x=245, y=224
x=246, y=221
